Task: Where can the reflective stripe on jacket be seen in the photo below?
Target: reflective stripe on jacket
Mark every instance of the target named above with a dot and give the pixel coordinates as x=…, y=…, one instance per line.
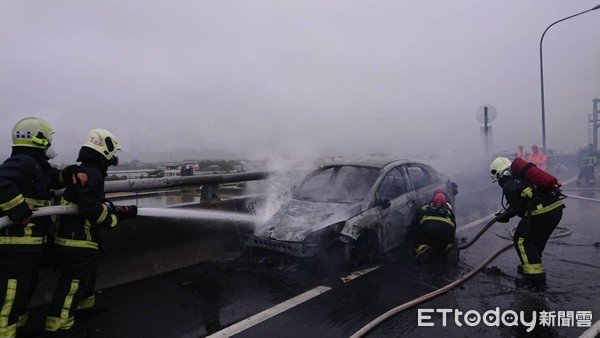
x=25, y=182
x=527, y=200
x=82, y=230
x=429, y=214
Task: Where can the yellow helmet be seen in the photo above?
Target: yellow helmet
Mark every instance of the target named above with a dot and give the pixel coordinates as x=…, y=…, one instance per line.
x=498, y=167
x=104, y=142
x=32, y=132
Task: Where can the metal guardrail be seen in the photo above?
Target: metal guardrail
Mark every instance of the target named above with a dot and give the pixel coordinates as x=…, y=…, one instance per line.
x=209, y=183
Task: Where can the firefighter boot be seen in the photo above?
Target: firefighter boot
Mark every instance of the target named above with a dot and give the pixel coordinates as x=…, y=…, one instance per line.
x=534, y=282
x=97, y=308
x=79, y=332
x=423, y=252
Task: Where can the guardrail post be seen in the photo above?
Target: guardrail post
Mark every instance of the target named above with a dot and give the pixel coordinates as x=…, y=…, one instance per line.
x=209, y=192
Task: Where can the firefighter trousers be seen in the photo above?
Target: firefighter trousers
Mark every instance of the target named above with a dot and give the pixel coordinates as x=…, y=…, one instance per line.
x=77, y=275
x=437, y=235
x=18, y=278
x=531, y=237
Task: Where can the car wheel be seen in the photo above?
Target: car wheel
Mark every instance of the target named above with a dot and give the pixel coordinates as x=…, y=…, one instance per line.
x=361, y=250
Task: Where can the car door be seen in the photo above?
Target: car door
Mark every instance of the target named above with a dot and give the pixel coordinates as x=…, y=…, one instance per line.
x=397, y=215
x=423, y=181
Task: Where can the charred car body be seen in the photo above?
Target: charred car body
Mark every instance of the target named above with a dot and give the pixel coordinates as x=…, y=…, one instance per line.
x=359, y=208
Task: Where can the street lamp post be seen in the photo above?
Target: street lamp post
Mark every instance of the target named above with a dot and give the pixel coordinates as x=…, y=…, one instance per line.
x=542, y=73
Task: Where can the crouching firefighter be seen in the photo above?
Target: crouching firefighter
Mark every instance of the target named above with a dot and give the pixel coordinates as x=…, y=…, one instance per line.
x=435, y=230
x=540, y=213
x=77, y=236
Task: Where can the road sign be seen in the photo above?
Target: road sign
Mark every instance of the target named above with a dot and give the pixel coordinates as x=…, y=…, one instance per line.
x=486, y=114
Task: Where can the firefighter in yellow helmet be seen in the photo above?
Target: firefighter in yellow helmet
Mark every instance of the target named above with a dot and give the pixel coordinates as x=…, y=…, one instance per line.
x=77, y=236
x=540, y=214
x=26, y=180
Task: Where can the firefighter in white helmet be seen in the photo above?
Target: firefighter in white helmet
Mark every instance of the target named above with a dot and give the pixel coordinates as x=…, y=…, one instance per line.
x=26, y=180
x=77, y=236
x=540, y=214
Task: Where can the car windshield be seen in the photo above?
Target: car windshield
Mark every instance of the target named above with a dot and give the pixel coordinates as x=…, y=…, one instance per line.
x=338, y=184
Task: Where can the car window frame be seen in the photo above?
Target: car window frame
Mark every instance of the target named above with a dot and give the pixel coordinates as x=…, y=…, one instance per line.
x=429, y=171
x=336, y=169
x=407, y=185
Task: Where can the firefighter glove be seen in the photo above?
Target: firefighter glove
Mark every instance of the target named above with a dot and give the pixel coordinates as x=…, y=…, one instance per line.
x=126, y=211
x=72, y=174
x=504, y=216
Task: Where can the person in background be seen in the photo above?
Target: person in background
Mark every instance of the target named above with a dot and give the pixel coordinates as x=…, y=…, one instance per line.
x=26, y=180
x=540, y=214
x=588, y=158
x=538, y=158
x=522, y=153
x=77, y=236
x=435, y=230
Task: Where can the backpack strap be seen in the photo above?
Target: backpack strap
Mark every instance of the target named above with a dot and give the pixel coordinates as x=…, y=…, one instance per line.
x=525, y=168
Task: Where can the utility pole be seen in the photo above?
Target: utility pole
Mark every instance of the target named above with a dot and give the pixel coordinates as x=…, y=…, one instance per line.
x=542, y=79
x=595, y=123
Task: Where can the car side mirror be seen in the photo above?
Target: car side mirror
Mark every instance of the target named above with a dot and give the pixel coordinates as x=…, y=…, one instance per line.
x=454, y=189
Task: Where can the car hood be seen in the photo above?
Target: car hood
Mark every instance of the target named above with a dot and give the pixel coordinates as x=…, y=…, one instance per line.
x=299, y=218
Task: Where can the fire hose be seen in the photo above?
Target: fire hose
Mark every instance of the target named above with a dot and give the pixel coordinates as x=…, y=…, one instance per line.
x=428, y=296
x=45, y=211
x=150, y=212
x=485, y=228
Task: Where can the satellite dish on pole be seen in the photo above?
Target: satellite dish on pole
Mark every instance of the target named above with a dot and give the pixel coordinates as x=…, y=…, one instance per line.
x=486, y=114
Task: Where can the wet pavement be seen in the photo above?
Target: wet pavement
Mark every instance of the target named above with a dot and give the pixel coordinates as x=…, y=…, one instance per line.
x=213, y=295
x=572, y=265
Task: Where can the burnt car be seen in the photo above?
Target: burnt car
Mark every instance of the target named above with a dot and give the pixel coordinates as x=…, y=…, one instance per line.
x=359, y=208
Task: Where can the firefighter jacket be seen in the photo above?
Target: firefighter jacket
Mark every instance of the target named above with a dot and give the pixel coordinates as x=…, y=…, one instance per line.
x=525, y=199
x=588, y=158
x=427, y=213
x=539, y=159
x=81, y=231
x=26, y=178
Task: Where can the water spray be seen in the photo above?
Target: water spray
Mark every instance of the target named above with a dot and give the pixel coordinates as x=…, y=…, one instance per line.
x=198, y=214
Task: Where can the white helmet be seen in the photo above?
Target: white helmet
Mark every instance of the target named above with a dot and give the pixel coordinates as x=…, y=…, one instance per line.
x=104, y=142
x=499, y=166
x=32, y=132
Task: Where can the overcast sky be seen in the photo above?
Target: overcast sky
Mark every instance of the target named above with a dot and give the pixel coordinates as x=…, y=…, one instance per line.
x=265, y=78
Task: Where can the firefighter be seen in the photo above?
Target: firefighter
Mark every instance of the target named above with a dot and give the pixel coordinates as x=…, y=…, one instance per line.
x=540, y=213
x=77, y=236
x=26, y=180
x=435, y=230
x=522, y=153
x=588, y=158
x=538, y=158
